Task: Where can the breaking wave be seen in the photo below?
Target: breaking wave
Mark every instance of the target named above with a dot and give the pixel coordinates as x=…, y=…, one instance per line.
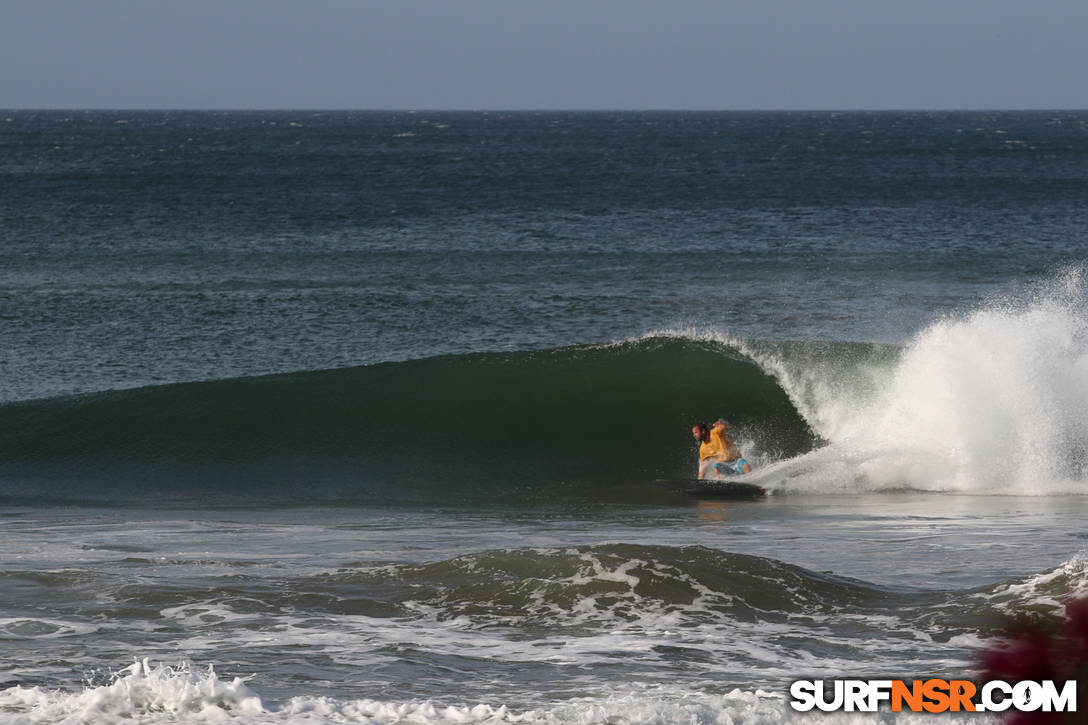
x=990, y=401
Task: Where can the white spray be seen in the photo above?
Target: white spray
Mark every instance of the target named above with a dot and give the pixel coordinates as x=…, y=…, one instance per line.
x=991, y=401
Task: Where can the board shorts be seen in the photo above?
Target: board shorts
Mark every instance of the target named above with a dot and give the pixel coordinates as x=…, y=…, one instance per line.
x=719, y=469
x=731, y=467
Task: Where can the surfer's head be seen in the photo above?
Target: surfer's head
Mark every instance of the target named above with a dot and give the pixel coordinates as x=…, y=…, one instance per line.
x=700, y=432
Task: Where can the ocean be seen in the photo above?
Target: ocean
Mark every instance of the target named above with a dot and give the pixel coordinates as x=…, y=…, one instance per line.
x=362, y=417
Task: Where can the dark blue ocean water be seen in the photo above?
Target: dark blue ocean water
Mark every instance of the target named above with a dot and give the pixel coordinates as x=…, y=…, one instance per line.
x=371, y=408
x=140, y=248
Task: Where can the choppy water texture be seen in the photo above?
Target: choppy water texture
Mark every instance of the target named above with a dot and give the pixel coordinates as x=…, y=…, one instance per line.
x=358, y=417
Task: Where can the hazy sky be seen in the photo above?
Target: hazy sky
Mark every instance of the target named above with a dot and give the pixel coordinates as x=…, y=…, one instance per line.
x=553, y=54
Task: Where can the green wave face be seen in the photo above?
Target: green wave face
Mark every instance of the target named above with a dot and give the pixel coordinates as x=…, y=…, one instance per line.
x=574, y=421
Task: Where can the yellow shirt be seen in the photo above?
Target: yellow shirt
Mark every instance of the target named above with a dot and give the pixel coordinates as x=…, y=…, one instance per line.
x=719, y=447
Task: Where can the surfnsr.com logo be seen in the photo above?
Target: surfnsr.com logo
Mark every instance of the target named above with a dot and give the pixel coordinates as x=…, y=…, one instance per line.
x=933, y=695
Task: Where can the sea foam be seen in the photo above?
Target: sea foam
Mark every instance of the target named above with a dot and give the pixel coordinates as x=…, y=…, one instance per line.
x=140, y=693
x=987, y=401
x=144, y=694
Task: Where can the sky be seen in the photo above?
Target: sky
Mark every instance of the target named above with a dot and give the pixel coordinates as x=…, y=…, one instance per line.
x=558, y=54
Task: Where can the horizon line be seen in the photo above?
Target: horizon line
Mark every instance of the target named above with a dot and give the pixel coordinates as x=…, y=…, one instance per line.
x=315, y=109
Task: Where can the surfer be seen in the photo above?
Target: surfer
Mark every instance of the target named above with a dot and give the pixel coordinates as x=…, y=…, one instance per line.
x=717, y=452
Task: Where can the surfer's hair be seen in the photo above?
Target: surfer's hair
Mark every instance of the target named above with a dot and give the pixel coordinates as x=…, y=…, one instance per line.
x=701, y=426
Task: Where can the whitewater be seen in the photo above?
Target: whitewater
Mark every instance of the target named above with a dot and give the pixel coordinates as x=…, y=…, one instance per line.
x=989, y=401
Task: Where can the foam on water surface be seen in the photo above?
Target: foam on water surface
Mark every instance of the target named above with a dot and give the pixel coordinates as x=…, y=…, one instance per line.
x=148, y=694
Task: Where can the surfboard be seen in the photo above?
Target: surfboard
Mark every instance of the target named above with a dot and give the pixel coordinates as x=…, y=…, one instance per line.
x=713, y=489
